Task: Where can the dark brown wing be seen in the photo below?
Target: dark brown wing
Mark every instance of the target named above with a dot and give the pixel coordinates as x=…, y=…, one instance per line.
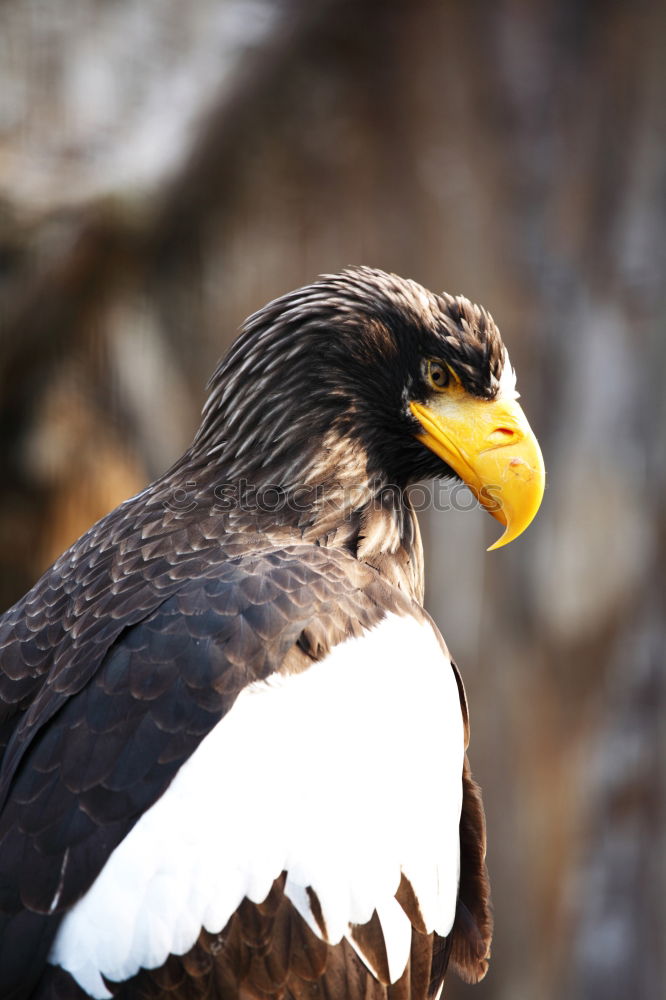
x=111, y=578
x=267, y=951
x=77, y=784
x=113, y=669
x=473, y=927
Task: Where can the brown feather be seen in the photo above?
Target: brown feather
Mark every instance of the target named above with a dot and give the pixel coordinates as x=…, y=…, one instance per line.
x=473, y=927
x=369, y=939
x=308, y=952
x=410, y=904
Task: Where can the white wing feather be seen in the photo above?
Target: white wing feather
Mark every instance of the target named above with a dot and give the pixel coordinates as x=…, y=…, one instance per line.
x=344, y=775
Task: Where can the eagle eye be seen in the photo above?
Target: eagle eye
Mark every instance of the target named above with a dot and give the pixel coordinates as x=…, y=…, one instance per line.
x=439, y=375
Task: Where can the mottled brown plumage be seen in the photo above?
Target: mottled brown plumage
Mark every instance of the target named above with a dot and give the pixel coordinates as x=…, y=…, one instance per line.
x=140, y=637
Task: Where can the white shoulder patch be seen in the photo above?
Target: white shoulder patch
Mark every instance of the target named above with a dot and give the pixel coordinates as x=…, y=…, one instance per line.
x=345, y=776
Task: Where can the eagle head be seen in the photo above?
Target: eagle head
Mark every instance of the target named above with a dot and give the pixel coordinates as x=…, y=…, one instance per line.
x=367, y=379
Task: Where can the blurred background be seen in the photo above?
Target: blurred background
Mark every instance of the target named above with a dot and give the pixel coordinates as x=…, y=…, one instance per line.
x=166, y=168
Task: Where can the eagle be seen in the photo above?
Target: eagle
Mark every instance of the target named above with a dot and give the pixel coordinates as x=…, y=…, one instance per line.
x=233, y=741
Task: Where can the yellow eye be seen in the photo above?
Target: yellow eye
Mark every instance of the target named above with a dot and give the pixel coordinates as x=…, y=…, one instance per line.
x=439, y=375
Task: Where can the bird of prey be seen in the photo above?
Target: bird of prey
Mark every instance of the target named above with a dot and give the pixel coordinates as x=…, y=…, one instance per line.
x=234, y=743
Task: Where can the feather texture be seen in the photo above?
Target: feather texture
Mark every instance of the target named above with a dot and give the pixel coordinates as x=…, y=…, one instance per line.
x=276, y=786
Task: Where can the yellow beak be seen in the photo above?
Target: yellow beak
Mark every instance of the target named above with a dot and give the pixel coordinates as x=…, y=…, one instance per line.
x=491, y=446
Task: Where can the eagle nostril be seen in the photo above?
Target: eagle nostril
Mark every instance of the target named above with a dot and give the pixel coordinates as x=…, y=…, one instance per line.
x=502, y=435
